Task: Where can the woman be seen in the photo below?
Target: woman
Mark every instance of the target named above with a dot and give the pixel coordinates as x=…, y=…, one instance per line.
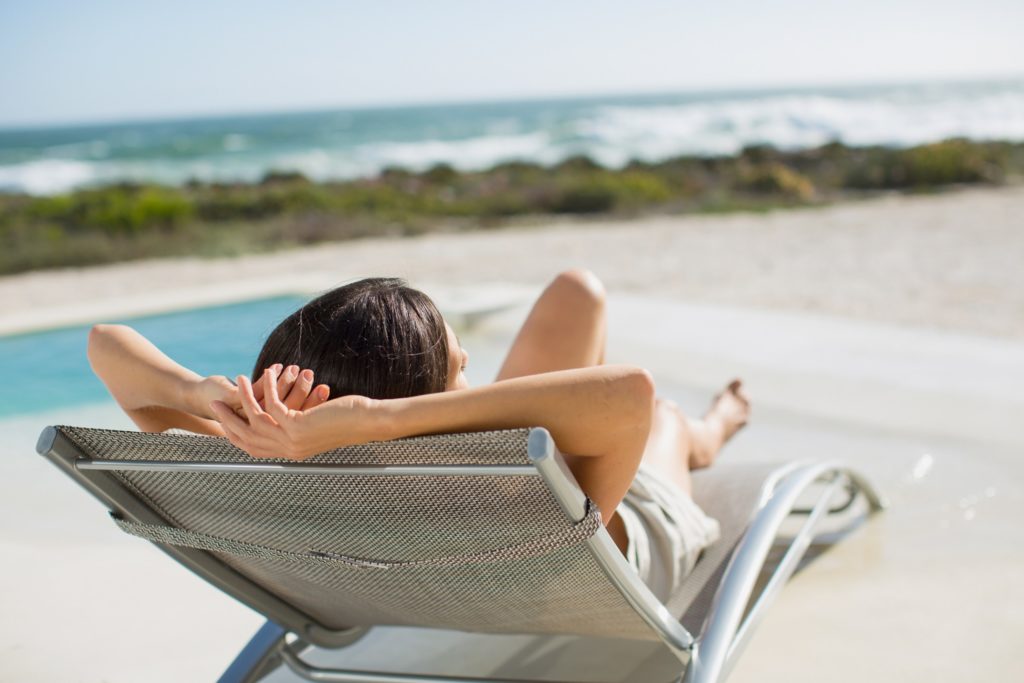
x=396, y=368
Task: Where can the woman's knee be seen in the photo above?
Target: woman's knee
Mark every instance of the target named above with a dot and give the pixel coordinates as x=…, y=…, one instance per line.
x=580, y=286
x=666, y=405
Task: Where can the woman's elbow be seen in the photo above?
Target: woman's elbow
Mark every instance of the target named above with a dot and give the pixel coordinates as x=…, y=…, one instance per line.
x=639, y=391
x=645, y=388
x=101, y=339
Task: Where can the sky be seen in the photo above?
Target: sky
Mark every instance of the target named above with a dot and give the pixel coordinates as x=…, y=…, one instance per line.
x=68, y=61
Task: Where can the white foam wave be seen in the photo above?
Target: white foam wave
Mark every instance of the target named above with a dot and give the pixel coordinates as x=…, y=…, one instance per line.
x=368, y=159
x=468, y=154
x=318, y=164
x=55, y=176
x=795, y=122
x=611, y=134
x=46, y=176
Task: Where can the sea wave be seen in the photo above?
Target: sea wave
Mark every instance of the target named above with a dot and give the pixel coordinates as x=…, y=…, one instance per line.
x=469, y=154
x=343, y=145
x=797, y=122
x=46, y=176
x=367, y=159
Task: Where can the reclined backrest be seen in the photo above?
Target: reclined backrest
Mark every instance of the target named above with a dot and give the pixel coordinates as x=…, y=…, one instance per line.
x=453, y=531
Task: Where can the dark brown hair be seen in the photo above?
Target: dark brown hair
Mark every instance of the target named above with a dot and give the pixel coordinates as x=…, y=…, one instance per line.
x=377, y=337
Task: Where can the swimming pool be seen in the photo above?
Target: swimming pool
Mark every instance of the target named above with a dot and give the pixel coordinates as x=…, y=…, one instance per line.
x=49, y=370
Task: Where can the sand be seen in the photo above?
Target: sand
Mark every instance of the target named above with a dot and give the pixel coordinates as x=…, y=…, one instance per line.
x=948, y=261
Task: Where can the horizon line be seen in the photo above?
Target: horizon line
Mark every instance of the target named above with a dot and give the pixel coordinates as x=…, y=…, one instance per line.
x=130, y=119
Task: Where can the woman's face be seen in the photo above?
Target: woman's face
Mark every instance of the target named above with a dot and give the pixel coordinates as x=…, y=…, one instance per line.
x=457, y=361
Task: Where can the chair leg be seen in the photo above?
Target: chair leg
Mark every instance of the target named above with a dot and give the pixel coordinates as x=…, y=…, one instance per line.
x=730, y=624
x=258, y=658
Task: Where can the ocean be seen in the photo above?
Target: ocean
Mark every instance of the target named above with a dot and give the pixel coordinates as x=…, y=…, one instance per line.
x=349, y=143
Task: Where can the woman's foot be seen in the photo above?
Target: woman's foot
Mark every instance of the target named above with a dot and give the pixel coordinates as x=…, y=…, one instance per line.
x=728, y=413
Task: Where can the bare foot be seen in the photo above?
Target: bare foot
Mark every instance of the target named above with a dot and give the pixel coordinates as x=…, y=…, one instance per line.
x=729, y=412
x=731, y=409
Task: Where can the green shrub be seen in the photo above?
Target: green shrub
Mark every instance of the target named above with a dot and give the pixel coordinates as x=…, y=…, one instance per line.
x=297, y=199
x=773, y=178
x=579, y=163
x=219, y=204
x=589, y=193
x=274, y=177
x=932, y=165
x=117, y=209
x=952, y=161
x=518, y=172
x=125, y=221
x=159, y=207
x=759, y=154
x=502, y=204
x=373, y=198
x=55, y=208
x=440, y=174
x=638, y=188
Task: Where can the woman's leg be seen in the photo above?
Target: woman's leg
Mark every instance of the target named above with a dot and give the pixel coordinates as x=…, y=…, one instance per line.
x=679, y=443
x=565, y=329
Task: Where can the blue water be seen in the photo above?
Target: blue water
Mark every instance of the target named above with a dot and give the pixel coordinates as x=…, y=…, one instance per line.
x=49, y=370
x=359, y=142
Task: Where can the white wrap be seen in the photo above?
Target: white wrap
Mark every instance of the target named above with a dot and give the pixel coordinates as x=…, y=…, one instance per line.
x=667, y=531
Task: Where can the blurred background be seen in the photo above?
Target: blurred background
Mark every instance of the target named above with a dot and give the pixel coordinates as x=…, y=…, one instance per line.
x=130, y=131
x=823, y=198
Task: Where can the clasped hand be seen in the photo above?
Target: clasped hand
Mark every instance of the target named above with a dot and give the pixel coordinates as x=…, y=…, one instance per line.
x=265, y=418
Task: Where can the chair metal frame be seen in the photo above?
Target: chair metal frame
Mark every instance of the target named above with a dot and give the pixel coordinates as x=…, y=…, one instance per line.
x=734, y=613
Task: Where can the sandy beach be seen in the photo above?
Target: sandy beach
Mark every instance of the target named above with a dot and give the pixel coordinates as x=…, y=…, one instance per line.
x=888, y=334
x=949, y=261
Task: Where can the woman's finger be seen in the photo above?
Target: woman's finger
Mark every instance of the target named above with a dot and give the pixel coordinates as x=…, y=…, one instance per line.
x=300, y=390
x=225, y=413
x=241, y=436
x=317, y=397
x=249, y=403
x=257, y=386
x=272, y=401
x=286, y=381
x=244, y=435
x=233, y=425
x=234, y=436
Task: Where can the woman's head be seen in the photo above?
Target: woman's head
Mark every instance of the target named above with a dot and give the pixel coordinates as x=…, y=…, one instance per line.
x=376, y=337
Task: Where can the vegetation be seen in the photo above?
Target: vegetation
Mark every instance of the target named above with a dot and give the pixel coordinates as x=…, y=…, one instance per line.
x=128, y=221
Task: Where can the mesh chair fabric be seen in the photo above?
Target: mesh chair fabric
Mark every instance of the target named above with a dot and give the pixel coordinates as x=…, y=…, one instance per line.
x=400, y=520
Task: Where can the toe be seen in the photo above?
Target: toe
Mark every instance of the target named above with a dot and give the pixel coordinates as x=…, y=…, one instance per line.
x=737, y=389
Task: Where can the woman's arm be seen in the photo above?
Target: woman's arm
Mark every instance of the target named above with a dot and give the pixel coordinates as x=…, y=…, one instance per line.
x=602, y=415
x=587, y=411
x=158, y=394
x=155, y=392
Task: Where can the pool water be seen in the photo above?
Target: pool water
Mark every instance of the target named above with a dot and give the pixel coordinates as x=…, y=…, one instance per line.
x=49, y=370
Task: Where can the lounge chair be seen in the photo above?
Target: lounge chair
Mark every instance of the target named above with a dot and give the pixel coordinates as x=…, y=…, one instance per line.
x=485, y=533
